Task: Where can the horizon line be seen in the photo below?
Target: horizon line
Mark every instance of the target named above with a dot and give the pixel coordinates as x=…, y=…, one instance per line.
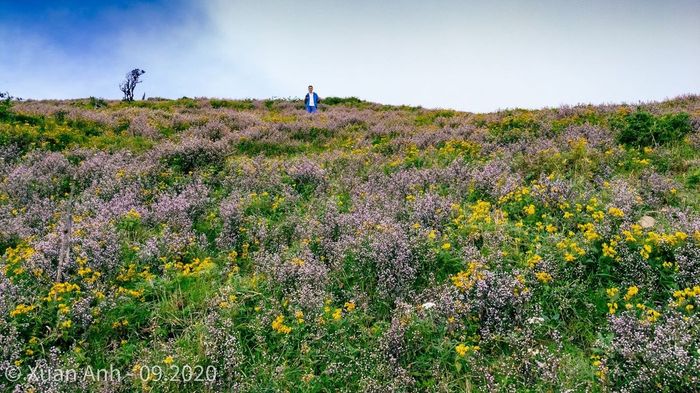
x=295, y=98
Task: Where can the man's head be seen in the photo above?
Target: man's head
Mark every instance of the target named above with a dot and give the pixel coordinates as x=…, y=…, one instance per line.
x=311, y=89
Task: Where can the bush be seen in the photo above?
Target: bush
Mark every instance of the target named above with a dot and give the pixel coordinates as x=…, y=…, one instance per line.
x=97, y=103
x=641, y=128
x=350, y=101
x=430, y=117
x=672, y=127
x=514, y=125
x=232, y=104
x=693, y=179
x=192, y=153
x=5, y=106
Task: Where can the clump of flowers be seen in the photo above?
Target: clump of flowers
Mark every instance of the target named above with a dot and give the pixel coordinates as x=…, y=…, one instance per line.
x=22, y=309
x=197, y=267
x=462, y=350
x=650, y=354
x=279, y=326
x=466, y=279
x=543, y=277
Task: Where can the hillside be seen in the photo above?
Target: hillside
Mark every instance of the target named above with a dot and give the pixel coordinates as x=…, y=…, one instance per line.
x=211, y=245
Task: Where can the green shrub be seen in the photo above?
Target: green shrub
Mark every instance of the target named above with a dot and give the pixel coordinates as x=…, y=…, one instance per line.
x=97, y=103
x=5, y=106
x=641, y=128
x=693, y=179
x=269, y=149
x=311, y=134
x=673, y=127
x=514, y=125
x=430, y=117
x=232, y=104
x=85, y=127
x=350, y=101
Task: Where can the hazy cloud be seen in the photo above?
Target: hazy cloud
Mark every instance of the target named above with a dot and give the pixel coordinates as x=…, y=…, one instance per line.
x=465, y=55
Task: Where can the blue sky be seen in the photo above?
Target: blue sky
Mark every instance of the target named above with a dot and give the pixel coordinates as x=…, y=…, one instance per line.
x=476, y=56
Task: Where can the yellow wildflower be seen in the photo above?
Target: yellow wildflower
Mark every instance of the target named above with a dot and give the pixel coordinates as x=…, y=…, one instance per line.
x=534, y=260
x=631, y=291
x=609, y=251
x=598, y=215
x=279, y=326
x=615, y=212
x=645, y=251
x=461, y=349
x=529, y=209
x=652, y=315
x=133, y=214
x=589, y=232
x=465, y=280
x=612, y=292
x=21, y=309
x=543, y=277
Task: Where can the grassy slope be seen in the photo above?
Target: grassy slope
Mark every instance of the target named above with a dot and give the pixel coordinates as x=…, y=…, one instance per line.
x=206, y=304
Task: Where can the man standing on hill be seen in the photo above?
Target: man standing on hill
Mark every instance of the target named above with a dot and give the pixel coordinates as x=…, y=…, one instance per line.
x=311, y=101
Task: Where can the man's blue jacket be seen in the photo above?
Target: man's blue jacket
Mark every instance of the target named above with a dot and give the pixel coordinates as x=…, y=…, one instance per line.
x=316, y=100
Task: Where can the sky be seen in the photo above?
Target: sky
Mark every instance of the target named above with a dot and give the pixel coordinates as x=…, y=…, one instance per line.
x=466, y=55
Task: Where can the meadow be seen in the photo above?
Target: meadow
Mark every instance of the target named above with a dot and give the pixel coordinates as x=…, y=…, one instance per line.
x=206, y=245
